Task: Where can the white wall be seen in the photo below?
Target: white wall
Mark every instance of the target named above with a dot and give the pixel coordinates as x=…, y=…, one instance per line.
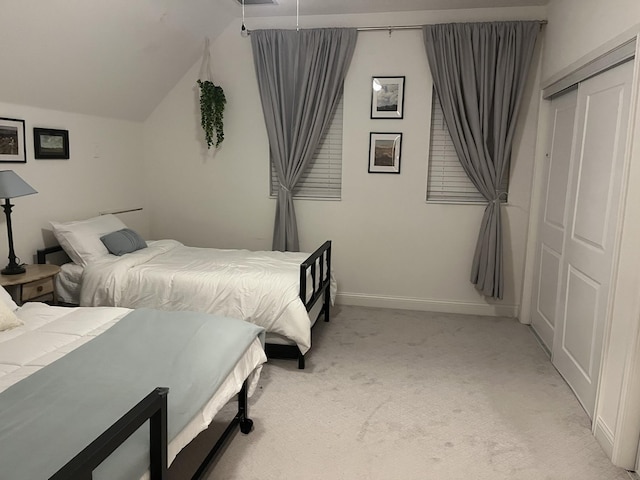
x=77, y=188
x=391, y=248
x=576, y=27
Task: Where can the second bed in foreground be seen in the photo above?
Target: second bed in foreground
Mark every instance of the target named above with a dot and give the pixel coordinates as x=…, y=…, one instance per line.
x=66, y=375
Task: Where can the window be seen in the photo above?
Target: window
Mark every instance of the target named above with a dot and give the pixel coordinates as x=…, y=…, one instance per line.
x=447, y=182
x=323, y=178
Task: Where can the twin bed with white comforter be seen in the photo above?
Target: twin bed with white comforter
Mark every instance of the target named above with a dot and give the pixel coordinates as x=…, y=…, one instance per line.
x=66, y=374
x=283, y=292
x=260, y=287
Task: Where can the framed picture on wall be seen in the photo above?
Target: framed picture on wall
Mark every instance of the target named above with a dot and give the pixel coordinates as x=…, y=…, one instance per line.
x=384, y=152
x=387, y=97
x=51, y=144
x=12, y=145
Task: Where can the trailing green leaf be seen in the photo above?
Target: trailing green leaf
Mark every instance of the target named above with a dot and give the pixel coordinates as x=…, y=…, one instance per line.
x=212, y=102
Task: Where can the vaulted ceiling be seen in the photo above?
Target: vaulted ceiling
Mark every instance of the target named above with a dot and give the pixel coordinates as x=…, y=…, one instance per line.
x=119, y=58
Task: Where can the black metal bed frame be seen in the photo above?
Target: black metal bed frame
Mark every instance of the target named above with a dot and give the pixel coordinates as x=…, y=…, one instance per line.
x=321, y=279
x=153, y=408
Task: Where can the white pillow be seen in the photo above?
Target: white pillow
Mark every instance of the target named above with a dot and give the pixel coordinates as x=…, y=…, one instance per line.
x=5, y=298
x=81, y=239
x=8, y=319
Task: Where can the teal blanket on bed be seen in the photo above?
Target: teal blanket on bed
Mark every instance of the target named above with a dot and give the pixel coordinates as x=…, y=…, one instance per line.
x=50, y=416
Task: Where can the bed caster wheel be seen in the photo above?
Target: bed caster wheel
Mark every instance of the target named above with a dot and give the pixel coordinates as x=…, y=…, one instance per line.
x=246, y=425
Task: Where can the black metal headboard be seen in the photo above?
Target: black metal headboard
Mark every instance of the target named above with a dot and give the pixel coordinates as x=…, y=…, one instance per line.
x=42, y=253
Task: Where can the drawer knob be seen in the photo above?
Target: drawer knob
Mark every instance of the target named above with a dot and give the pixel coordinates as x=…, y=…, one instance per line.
x=40, y=288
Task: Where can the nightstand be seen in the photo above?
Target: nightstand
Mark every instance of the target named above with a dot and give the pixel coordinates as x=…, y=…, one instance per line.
x=36, y=284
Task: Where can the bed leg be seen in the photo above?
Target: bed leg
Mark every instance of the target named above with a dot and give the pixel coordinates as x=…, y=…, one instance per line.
x=241, y=419
x=246, y=424
x=300, y=361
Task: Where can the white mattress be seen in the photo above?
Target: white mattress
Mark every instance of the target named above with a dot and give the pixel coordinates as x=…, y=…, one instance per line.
x=50, y=332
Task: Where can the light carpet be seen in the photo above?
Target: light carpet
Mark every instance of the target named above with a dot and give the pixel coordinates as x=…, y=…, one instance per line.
x=395, y=394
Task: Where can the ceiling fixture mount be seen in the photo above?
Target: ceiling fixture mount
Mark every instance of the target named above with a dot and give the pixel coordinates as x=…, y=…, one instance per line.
x=257, y=2
x=243, y=29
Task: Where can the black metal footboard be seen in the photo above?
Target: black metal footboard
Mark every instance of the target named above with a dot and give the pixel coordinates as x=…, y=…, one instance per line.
x=318, y=264
x=153, y=408
x=318, y=267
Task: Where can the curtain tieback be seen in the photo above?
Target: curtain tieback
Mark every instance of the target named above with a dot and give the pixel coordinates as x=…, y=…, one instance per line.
x=498, y=198
x=285, y=188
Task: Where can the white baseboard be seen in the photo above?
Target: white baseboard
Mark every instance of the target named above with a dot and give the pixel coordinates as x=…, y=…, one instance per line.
x=604, y=436
x=427, y=305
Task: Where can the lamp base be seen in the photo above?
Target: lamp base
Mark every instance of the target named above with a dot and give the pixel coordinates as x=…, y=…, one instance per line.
x=12, y=270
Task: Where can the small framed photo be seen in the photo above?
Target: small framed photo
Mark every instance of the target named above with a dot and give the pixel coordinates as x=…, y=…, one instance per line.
x=12, y=145
x=384, y=152
x=387, y=97
x=51, y=144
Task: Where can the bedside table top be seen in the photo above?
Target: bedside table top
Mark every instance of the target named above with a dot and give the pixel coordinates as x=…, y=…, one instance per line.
x=33, y=273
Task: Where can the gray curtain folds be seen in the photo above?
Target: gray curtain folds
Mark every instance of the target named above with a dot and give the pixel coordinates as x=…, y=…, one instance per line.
x=479, y=71
x=300, y=78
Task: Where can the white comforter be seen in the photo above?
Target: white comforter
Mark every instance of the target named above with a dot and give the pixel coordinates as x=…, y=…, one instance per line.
x=260, y=287
x=48, y=333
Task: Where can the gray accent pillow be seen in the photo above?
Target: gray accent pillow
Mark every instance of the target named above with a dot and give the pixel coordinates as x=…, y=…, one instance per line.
x=123, y=241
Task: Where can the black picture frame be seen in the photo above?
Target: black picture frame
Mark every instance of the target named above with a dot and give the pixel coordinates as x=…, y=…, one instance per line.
x=385, y=151
x=387, y=97
x=13, y=148
x=51, y=144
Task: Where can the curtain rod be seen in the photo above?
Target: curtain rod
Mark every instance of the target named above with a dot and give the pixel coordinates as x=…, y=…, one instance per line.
x=409, y=27
x=389, y=28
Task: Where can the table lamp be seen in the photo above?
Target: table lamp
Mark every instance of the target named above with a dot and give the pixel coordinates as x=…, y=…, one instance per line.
x=11, y=186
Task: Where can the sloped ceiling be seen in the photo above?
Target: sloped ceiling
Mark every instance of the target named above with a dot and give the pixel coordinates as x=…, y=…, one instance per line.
x=119, y=58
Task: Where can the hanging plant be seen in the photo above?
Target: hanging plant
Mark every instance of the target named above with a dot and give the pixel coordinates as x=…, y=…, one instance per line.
x=212, y=102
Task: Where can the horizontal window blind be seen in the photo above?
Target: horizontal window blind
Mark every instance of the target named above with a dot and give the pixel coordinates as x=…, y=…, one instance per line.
x=447, y=182
x=323, y=177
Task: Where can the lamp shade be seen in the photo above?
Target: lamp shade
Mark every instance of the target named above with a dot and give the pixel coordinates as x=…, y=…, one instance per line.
x=11, y=185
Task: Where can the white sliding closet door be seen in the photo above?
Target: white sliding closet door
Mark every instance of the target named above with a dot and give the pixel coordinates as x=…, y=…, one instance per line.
x=552, y=225
x=590, y=239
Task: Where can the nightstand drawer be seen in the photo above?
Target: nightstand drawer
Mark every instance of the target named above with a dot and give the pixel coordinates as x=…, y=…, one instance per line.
x=37, y=289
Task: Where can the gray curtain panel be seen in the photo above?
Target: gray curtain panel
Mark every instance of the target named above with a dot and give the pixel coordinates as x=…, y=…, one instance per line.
x=479, y=71
x=300, y=77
